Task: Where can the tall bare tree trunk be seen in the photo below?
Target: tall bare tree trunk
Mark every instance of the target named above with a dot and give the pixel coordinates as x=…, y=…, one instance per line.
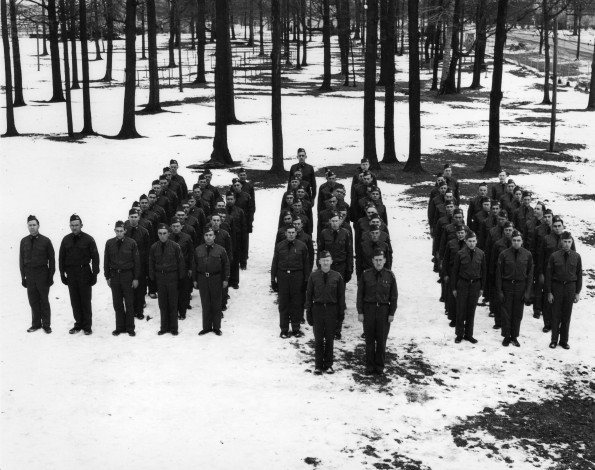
x=251, y=23
x=390, y=155
x=19, y=99
x=128, y=129
x=201, y=41
x=414, y=160
x=43, y=24
x=276, y=116
x=64, y=32
x=370, y=84
x=480, y=44
x=142, y=31
x=172, y=33
x=326, y=40
x=11, y=129
x=154, y=104
x=87, y=119
x=57, y=95
x=304, y=35
x=261, y=25
x=109, y=23
x=546, y=34
x=75, y=70
x=591, y=102
x=96, y=30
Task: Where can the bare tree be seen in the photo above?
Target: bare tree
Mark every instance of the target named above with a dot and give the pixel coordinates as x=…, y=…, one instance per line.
x=172, y=33
x=370, y=84
x=57, y=95
x=261, y=25
x=128, y=129
x=19, y=99
x=64, y=31
x=591, y=102
x=154, y=105
x=414, y=160
x=109, y=23
x=87, y=119
x=43, y=32
x=201, y=41
x=480, y=43
x=546, y=33
x=75, y=71
x=390, y=155
x=326, y=40
x=276, y=116
x=11, y=129
x=304, y=33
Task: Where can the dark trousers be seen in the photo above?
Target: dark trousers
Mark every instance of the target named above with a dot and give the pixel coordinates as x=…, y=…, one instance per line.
x=467, y=296
x=341, y=268
x=80, y=290
x=451, y=302
x=562, y=310
x=167, y=292
x=376, y=328
x=494, y=300
x=538, y=296
x=152, y=286
x=291, y=299
x=546, y=310
x=211, y=290
x=512, y=308
x=234, y=269
x=123, y=300
x=184, y=295
x=325, y=320
x=38, y=290
x=139, y=293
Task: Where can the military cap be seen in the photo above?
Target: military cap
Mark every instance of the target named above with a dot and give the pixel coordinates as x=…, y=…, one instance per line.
x=152, y=191
x=74, y=217
x=162, y=226
x=119, y=223
x=470, y=234
x=207, y=172
x=166, y=169
x=508, y=225
x=154, y=182
x=300, y=150
x=378, y=252
x=458, y=211
x=32, y=217
x=133, y=211
x=173, y=162
x=566, y=235
x=503, y=213
x=516, y=233
x=175, y=220
x=325, y=254
x=144, y=196
x=557, y=218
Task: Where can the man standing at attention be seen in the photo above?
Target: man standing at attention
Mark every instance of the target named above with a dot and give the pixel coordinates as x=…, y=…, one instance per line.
x=307, y=171
x=77, y=250
x=38, y=265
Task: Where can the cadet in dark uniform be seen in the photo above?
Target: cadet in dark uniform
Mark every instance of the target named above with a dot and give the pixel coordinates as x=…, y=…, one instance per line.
x=325, y=305
x=377, y=296
x=77, y=250
x=143, y=242
x=210, y=270
x=122, y=269
x=450, y=253
x=184, y=287
x=307, y=172
x=468, y=281
x=289, y=271
x=514, y=274
x=173, y=167
x=563, y=284
x=167, y=268
x=499, y=188
x=38, y=265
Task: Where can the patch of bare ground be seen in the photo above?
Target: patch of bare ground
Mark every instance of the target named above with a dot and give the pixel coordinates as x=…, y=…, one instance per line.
x=556, y=433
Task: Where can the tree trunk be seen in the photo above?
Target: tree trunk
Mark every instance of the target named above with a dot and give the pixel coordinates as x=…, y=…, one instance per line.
x=546, y=80
x=192, y=33
x=370, y=84
x=251, y=23
x=591, y=102
x=304, y=35
x=326, y=40
x=43, y=22
x=87, y=119
x=201, y=41
x=357, y=32
x=344, y=35
x=231, y=24
x=64, y=32
x=436, y=62
x=448, y=81
x=414, y=159
x=128, y=130
x=492, y=164
x=383, y=26
x=555, y=90
x=286, y=37
x=75, y=70
x=11, y=129
x=220, y=154
x=172, y=34
x=96, y=31
x=109, y=24
x=298, y=64
x=402, y=49
x=540, y=39
x=480, y=44
x=276, y=120
x=142, y=31
x=261, y=25
x=57, y=95
x=154, y=105
x=230, y=105
x=578, y=42
x=19, y=99
x=390, y=156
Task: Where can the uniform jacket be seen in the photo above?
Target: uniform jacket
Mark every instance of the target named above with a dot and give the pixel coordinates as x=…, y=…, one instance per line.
x=213, y=260
x=167, y=258
x=564, y=270
x=76, y=251
x=469, y=269
x=377, y=287
x=290, y=256
x=331, y=292
x=37, y=254
x=125, y=257
x=515, y=267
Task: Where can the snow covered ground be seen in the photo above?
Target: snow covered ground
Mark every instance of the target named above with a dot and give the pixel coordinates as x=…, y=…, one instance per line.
x=247, y=399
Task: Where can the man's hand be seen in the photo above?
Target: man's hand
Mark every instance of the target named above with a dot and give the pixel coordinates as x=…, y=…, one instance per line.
x=360, y=317
x=51, y=281
x=446, y=278
x=391, y=318
x=135, y=283
x=577, y=297
x=93, y=279
x=24, y=282
x=225, y=284
x=109, y=283
x=309, y=318
x=550, y=298
x=275, y=286
x=190, y=273
x=454, y=294
x=348, y=277
x=196, y=285
x=64, y=279
x=501, y=296
x=541, y=278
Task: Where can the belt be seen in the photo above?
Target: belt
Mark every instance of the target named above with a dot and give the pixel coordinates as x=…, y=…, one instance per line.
x=470, y=281
x=563, y=282
x=120, y=271
x=328, y=304
x=77, y=266
x=514, y=281
x=378, y=304
x=209, y=274
x=161, y=271
x=37, y=267
x=289, y=271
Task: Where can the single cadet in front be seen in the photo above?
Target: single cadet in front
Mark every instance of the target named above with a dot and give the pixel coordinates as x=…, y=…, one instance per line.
x=37, y=262
x=377, y=297
x=325, y=307
x=77, y=250
x=122, y=269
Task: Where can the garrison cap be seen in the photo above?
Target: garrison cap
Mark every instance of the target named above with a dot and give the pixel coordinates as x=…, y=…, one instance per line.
x=548, y=211
x=152, y=191
x=162, y=226
x=207, y=172
x=135, y=204
x=119, y=223
x=133, y=211
x=325, y=254
x=300, y=150
x=557, y=219
x=458, y=211
x=173, y=162
x=566, y=235
x=154, y=182
x=364, y=160
x=503, y=213
x=201, y=177
x=196, y=186
x=32, y=217
x=166, y=169
x=508, y=225
x=144, y=196
x=235, y=180
x=378, y=252
x=162, y=177
x=484, y=199
x=459, y=227
x=470, y=234
x=527, y=194
x=175, y=220
x=516, y=233
x=74, y=217
x=447, y=165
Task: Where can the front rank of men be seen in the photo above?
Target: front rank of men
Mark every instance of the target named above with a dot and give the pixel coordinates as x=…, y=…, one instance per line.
x=511, y=252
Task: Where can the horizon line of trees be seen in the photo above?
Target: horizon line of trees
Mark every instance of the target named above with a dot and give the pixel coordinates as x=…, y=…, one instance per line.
x=435, y=37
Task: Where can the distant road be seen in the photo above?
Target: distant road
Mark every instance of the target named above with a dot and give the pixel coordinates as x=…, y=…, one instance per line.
x=566, y=47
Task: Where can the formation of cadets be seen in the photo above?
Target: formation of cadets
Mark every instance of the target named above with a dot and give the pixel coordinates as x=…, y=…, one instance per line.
x=510, y=252
x=177, y=239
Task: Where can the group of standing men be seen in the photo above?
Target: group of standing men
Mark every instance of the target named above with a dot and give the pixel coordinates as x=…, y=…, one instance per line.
x=174, y=240
x=321, y=292
x=510, y=252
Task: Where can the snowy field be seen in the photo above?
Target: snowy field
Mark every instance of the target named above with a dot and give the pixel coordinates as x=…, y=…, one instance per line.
x=248, y=399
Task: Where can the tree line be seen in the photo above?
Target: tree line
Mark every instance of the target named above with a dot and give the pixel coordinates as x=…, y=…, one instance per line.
x=435, y=38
